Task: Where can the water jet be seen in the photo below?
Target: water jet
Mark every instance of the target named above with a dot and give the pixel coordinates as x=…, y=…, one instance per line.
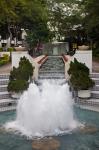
x=45, y=111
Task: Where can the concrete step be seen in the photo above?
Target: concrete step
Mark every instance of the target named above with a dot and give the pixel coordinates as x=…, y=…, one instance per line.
x=7, y=102
x=90, y=108
x=4, y=76
x=59, y=81
x=51, y=77
x=95, y=94
x=4, y=95
x=95, y=88
x=88, y=102
x=53, y=72
x=8, y=108
x=53, y=64
x=49, y=69
x=3, y=88
x=94, y=75
x=4, y=81
x=96, y=81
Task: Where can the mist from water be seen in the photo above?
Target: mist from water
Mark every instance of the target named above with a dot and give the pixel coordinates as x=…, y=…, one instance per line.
x=44, y=111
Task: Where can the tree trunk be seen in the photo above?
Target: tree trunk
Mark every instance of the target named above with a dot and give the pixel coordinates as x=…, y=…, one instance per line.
x=10, y=33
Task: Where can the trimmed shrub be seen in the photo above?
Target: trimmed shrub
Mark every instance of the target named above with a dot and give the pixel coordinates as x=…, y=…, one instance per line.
x=21, y=74
x=75, y=66
x=79, y=76
x=17, y=86
x=81, y=81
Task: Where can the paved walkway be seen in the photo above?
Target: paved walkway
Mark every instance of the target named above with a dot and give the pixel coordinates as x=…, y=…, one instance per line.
x=95, y=66
x=5, y=69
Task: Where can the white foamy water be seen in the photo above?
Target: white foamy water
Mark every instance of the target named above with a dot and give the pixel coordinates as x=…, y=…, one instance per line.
x=44, y=111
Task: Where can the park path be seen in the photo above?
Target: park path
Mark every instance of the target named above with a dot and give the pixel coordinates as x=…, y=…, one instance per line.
x=95, y=66
x=5, y=69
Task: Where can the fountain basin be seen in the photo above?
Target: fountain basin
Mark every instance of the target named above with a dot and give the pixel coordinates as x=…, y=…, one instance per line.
x=71, y=141
x=46, y=144
x=47, y=112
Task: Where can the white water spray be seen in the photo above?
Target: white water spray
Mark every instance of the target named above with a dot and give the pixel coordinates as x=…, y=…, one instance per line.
x=44, y=111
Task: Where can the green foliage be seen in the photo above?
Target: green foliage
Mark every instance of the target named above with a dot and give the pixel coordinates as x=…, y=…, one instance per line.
x=10, y=49
x=38, y=16
x=17, y=86
x=4, y=60
x=91, y=20
x=22, y=13
x=81, y=81
x=23, y=73
x=40, y=33
x=63, y=16
x=96, y=52
x=92, y=13
x=77, y=66
x=25, y=68
x=79, y=76
x=6, y=57
x=1, y=49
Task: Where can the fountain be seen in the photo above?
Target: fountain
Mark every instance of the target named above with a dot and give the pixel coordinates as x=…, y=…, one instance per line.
x=44, y=111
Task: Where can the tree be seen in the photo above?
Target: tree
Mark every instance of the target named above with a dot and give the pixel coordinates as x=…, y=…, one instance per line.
x=64, y=15
x=21, y=14
x=38, y=34
x=8, y=15
x=91, y=22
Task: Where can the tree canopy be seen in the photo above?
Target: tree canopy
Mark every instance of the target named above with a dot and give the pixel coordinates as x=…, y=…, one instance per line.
x=51, y=18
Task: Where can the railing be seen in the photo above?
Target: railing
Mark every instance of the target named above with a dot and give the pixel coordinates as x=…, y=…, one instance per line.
x=43, y=60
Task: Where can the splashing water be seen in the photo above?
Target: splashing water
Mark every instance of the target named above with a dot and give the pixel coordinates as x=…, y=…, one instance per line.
x=44, y=111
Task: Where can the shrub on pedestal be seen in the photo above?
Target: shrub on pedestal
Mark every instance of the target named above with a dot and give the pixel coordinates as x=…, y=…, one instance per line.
x=20, y=77
x=80, y=78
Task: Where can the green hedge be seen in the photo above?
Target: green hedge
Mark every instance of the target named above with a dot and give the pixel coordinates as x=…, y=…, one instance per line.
x=10, y=49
